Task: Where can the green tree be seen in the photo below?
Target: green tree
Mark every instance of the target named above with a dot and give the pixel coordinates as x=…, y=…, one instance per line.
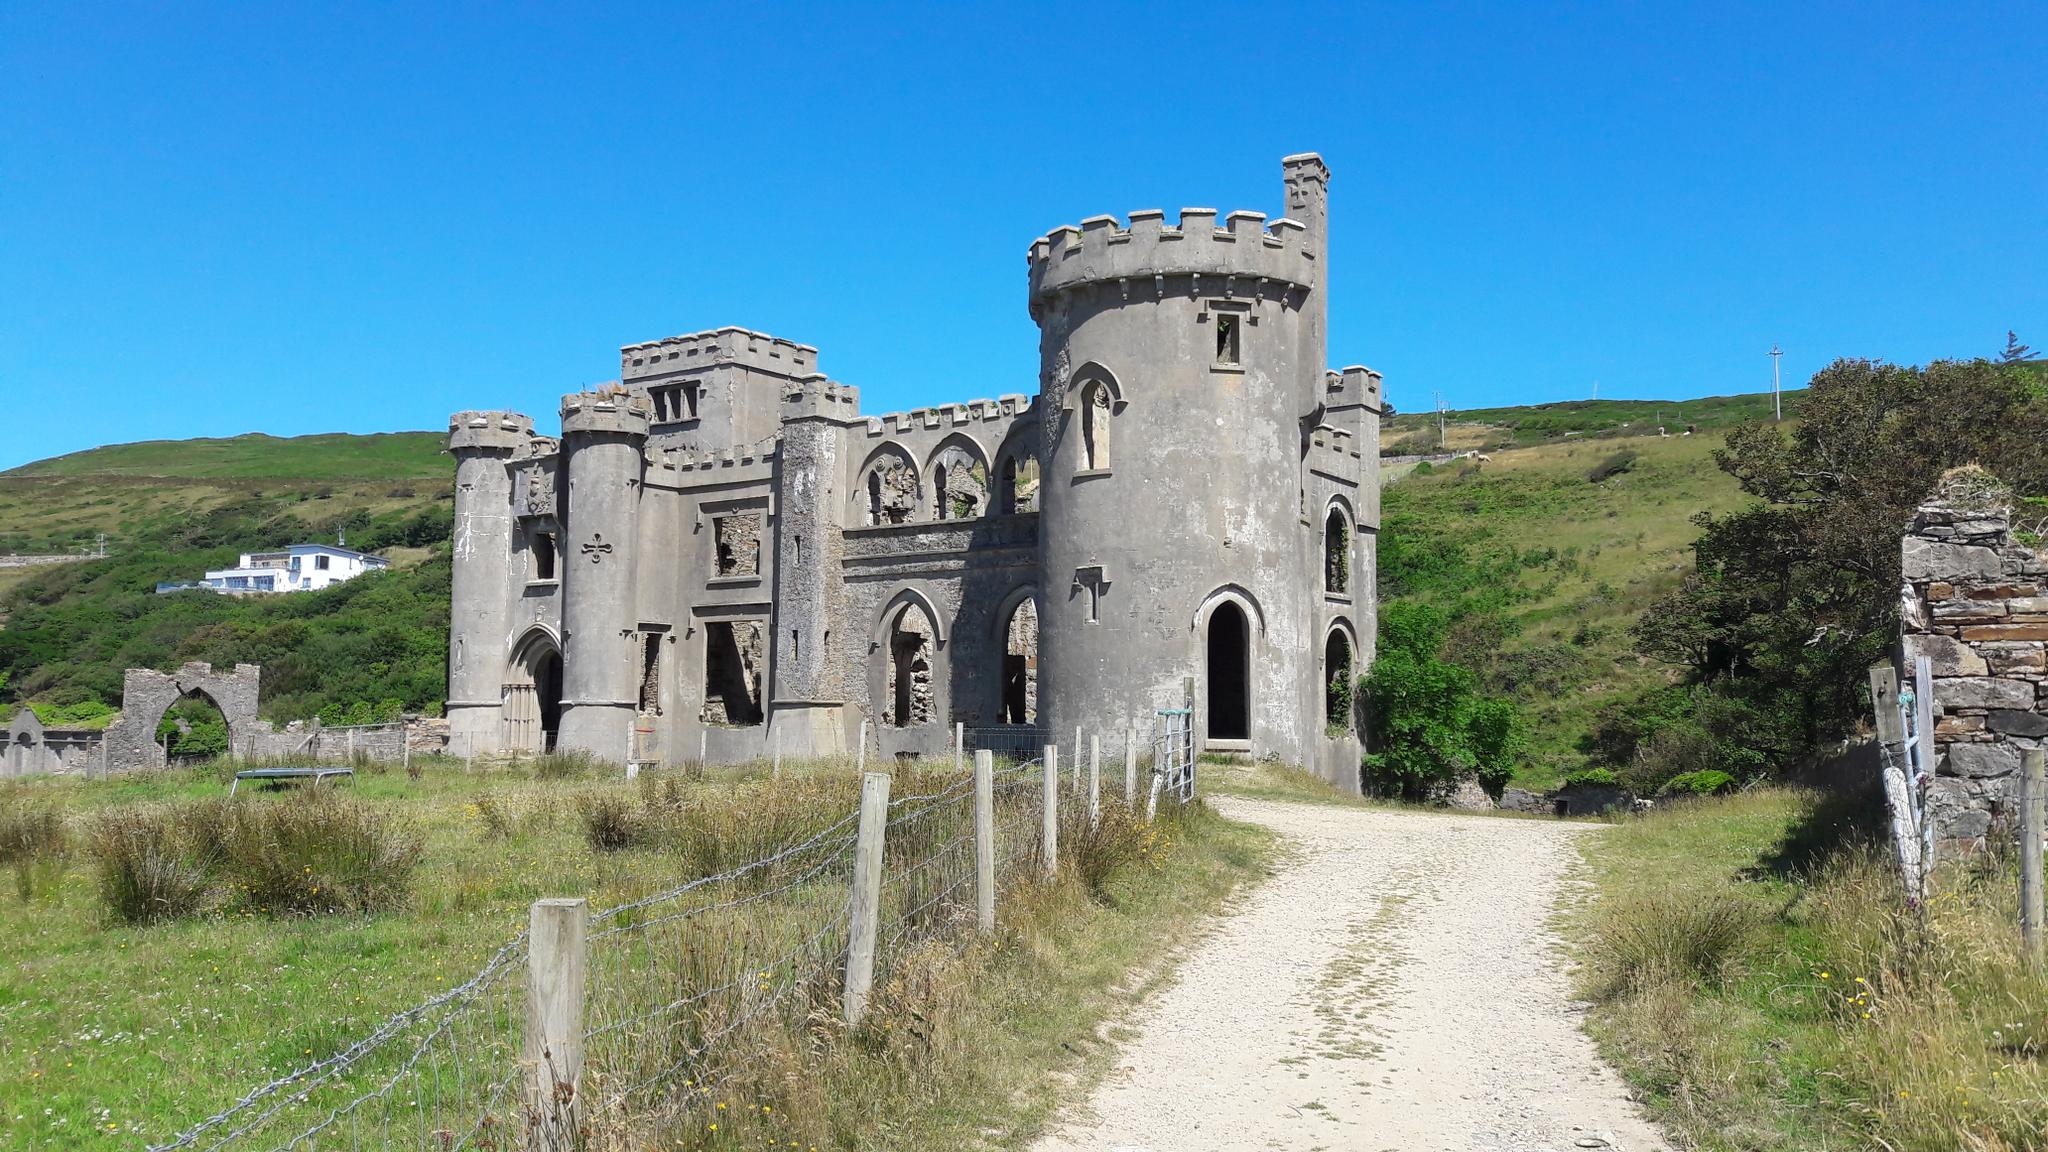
x=1428, y=724
x=2015, y=352
x=1791, y=600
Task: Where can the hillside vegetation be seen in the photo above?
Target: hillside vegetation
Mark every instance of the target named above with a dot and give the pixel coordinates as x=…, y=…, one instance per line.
x=1543, y=569
x=171, y=510
x=1490, y=428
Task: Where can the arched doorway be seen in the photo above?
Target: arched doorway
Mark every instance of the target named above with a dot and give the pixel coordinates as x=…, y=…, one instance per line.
x=1020, y=664
x=1229, y=701
x=193, y=730
x=533, y=696
x=1338, y=692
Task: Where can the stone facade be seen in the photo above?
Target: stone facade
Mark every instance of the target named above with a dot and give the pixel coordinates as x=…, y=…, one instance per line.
x=722, y=552
x=1976, y=604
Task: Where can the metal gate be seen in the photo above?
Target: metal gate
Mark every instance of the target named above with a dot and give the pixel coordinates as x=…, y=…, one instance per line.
x=1173, y=754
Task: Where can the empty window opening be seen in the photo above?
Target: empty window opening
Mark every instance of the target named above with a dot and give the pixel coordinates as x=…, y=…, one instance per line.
x=959, y=485
x=1018, y=487
x=674, y=402
x=1227, y=326
x=1020, y=664
x=543, y=548
x=650, y=673
x=1229, y=667
x=732, y=674
x=1336, y=553
x=910, y=670
x=797, y=550
x=1095, y=426
x=892, y=491
x=737, y=538
x=1339, y=692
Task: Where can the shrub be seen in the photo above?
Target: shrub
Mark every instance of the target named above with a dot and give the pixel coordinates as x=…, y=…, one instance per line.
x=1591, y=778
x=158, y=862
x=32, y=840
x=1668, y=935
x=613, y=824
x=320, y=852
x=491, y=811
x=1710, y=782
x=1099, y=849
x=1615, y=465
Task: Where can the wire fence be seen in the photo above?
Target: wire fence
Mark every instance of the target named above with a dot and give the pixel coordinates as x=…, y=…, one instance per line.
x=686, y=993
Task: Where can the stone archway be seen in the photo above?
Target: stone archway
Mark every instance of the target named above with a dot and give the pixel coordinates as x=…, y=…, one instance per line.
x=532, y=694
x=147, y=694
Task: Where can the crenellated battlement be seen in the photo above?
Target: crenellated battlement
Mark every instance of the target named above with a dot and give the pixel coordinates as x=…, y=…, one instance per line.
x=609, y=409
x=741, y=456
x=1354, y=387
x=474, y=431
x=1247, y=256
x=1008, y=406
x=815, y=396
x=729, y=345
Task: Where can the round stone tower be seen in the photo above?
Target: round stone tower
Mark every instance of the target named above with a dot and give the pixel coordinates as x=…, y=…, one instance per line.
x=1181, y=370
x=480, y=620
x=603, y=435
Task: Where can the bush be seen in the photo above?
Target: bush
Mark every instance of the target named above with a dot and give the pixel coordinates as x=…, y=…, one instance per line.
x=320, y=852
x=1666, y=935
x=1615, y=465
x=1591, y=778
x=159, y=862
x=1710, y=782
x=565, y=766
x=614, y=824
x=32, y=840
x=1097, y=850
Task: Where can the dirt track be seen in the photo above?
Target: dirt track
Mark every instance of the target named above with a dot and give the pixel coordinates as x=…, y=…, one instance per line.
x=1392, y=986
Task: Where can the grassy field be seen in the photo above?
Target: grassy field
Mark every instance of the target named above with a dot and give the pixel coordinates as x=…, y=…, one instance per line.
x=255, y=456
x=118, y=1033
x=1609, y=549
x=1757, y=979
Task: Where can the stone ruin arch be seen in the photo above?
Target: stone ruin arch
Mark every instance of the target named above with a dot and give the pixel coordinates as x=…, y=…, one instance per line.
x=147, y=694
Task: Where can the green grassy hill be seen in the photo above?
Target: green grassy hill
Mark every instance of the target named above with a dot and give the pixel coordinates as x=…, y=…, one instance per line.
x=171, y=510
x=1569, y=562
x=1490, y=428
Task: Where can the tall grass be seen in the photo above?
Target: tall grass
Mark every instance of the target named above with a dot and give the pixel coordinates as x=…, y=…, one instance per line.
x=1756, y=972
x=33, y=842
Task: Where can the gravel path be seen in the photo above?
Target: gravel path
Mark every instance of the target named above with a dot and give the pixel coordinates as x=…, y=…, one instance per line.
x=1391, y=986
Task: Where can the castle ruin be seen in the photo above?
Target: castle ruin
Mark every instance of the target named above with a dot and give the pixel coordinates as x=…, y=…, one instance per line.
x=722, y=553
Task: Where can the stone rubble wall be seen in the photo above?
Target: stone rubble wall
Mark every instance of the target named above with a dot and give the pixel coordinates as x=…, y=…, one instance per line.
x=1976, y=603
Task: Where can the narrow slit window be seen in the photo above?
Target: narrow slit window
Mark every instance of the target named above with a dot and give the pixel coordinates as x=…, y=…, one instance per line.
x=650, y=674
x=543, y=556
x=1226, y=338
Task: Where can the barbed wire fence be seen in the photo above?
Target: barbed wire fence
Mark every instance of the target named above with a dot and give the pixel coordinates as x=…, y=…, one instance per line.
x=663, y=1005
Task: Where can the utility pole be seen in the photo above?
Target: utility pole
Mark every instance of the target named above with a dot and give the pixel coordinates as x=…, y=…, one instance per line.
x=1442, y=437
x=1777, y=408
x=1596, y=389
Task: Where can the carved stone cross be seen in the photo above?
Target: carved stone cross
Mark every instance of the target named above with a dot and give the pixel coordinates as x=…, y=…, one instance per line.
x=597, y=548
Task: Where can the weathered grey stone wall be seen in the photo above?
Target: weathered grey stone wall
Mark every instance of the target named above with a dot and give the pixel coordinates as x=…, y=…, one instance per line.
x=1976, y=603
x=147, y=694
x=480, y=620
x=1156, y=477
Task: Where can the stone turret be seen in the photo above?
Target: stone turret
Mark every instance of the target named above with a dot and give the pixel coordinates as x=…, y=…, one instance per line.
x=1175, y=379
x=712, y=391
x=480, y=617
x=603, y=437
x=807, y=710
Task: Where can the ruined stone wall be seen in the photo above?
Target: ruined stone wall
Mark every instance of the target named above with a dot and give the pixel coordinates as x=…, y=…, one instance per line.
x=1976, y=603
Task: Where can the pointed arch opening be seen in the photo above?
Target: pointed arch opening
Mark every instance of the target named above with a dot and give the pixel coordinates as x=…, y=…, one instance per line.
x=1019, y=703
x=532, y=697
x=1227, y=705
x=1336, y=552
x=1339, y=690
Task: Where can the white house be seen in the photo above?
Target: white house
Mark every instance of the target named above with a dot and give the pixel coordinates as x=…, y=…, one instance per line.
x=299, y=568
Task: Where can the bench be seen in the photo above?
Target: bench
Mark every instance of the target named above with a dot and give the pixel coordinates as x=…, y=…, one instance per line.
x=316, y=775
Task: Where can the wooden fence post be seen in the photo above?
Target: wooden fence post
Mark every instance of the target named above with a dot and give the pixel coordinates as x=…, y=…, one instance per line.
x=775, y=742
x=867, y=895
x=554, y=1020
x=985, y=839
x=1094, y=781
x=1049, y=845
x=1891, y=738
x=1077, y=759
x=2032, y=801
x=959, y=745
x=1131, y=767
x=860, y=755
x=1923, y=732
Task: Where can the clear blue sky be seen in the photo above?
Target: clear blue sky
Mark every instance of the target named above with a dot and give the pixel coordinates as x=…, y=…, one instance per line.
x=289, y=218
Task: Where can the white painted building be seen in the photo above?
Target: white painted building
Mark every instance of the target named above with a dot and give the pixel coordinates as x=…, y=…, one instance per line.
x=299, y=568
